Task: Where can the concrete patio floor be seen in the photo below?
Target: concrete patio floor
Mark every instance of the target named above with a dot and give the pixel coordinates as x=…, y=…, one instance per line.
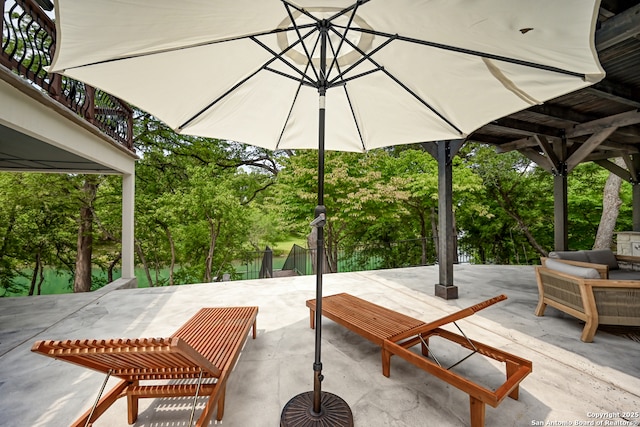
x=572, y=382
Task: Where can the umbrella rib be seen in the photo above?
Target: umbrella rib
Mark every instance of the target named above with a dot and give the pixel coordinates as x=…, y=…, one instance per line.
x=287, y=6
x=289, y=76
x=342, y=38
x=402, y=85
x=341, y=74
x=265, y=66
x=191, y=46
x=355, y=120
x=416, y=96
x=214, y=102
x=293, y=103
x=280, y=56
x=332, y=18
x=346, y=93
x=473, y=52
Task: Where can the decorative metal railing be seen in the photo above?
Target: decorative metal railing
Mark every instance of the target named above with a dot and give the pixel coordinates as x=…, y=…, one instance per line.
x=28, y=44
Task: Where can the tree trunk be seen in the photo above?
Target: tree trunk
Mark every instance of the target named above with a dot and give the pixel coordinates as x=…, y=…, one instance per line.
x=41, y=280
x=34, y=276
x=214, y=230
x=82, y=279
x=172, y=247
x=610, y=208
x=423, y=238
x=312, y=244
x=145, y=265
x=331, y=250
x=505, y=202
x=112, y=266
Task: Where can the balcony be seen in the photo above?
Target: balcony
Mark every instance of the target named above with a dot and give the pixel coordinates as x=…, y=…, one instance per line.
x=571, y=380
x=28, y=43
x=50, y=123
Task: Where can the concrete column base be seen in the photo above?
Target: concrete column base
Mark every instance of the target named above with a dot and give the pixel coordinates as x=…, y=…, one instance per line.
x=446, y=292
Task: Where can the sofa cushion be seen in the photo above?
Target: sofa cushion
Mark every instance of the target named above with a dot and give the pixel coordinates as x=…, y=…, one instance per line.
x=582, y=272
x=570, y=255
x=624, y=275
x=603, y=256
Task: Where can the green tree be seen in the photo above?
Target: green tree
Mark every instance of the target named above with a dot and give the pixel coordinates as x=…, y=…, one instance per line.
x=517, y=225
x=195, y=203
x=359, y=203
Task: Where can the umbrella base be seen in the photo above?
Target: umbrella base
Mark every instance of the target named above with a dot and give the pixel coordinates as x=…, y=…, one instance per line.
x=334, y=412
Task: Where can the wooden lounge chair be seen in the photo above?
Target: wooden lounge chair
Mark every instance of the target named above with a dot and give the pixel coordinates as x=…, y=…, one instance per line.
x=397, y=333
x=205, y=349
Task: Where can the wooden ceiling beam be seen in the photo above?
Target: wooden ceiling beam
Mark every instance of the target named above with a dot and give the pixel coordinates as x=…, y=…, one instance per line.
x=528, y=128
x=618, y=28
x=606, y=89
x=518, y=144
x=558, y=112
x=538, y=159
x=588, y=147
x=618, y=120
x=547, y=149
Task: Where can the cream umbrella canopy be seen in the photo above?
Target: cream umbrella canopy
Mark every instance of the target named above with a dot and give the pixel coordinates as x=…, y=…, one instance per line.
x=333, y=75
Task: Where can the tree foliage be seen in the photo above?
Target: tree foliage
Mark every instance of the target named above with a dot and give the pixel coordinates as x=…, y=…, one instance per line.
x=203, y=205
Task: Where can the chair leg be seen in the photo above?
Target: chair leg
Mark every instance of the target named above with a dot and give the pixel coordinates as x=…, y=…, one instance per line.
x=589, y=330
x=132, y=405
x=511, y=369
x=540, y=308
x=104, y=404
x=477, y=412
x=216, y=398
x=223, y=393
x=386, y=362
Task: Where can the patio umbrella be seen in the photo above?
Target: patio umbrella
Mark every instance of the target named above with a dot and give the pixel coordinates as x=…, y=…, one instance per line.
x=272, y=72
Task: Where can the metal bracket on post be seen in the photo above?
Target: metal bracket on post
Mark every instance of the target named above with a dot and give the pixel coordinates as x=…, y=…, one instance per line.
x=319, y=221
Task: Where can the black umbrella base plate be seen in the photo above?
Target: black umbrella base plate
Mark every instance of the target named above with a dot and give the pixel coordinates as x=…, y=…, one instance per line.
x=334, y=412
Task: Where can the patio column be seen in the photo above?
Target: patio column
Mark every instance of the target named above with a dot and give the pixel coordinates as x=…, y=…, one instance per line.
x=560, y=206
x=444, y=151
x=560, y=172
x=634, y=170
x=636, y=206
x=128, y=197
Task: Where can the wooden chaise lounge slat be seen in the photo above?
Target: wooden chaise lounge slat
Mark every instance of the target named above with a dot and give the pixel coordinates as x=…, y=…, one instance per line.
x=209, y=344
x=396, y=333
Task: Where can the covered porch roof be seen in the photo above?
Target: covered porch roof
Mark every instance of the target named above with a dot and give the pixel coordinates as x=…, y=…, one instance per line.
x=595, y=123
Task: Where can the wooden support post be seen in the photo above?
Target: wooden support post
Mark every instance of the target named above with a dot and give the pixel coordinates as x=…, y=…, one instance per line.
x=636, y=206
x=634, y=169
x=446, y=254
x=560, y=205
x=560, y=212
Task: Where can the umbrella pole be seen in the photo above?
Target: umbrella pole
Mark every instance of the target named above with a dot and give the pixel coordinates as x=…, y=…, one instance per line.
x=318, y=408
x=320, y=220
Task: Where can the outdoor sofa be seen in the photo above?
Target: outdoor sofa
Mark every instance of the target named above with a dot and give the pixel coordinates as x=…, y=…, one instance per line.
x=582, y=290
x=619, y=267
